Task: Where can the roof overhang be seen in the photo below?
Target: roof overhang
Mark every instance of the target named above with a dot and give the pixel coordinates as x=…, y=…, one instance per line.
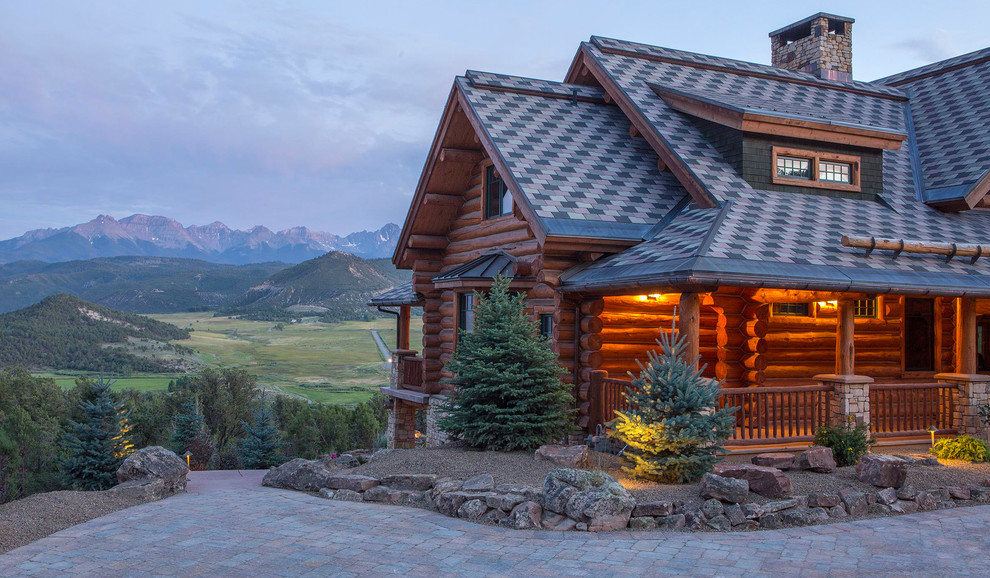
x=397, y=296
x=778, y=124
x=959, y=197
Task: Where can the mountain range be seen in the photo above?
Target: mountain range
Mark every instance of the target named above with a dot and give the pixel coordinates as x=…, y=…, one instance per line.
x=157, y=236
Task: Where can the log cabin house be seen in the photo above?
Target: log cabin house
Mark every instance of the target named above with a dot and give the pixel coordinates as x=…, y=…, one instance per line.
x=824, y=242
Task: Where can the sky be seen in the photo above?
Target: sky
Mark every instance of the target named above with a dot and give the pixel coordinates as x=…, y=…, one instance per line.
x=321, y=114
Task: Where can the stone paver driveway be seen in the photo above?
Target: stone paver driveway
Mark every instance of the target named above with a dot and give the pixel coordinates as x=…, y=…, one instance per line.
x=249, y=530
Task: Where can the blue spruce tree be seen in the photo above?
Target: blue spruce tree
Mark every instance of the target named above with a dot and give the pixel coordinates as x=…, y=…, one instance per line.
x=261, y=446
x=98, y=445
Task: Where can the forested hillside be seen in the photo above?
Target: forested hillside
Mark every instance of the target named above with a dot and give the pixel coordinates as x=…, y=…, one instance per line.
x=65, y=332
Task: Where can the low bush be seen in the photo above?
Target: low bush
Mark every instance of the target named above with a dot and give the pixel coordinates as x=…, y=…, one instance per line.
x=848, y=442
x=964, y=448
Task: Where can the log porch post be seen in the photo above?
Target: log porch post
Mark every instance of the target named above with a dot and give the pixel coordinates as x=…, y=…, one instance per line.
x=402, y=341
x=965, y=352
x=689, y=325
x=845, y=349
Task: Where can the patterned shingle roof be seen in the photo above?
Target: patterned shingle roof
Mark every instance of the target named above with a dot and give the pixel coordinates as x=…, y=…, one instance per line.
x=573, y=160
x=401, y=295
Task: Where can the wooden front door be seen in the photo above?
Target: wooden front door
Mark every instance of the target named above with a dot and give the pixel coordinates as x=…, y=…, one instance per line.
x=983, y=343
x=919, y=334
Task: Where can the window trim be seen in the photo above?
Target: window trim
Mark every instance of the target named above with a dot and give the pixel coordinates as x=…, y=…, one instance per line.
x=775, y=313
x=485, y=198
x=540, y=317
x=815, y=157
x=461, y=318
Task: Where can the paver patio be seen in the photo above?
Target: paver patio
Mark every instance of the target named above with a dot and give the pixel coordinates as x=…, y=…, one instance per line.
x=217, y=529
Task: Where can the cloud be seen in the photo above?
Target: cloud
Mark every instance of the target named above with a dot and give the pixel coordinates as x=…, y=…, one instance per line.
x=938, y=45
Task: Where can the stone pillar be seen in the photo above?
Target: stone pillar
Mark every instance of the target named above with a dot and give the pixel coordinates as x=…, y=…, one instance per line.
x=390, y=427
x=395, y=373
x=434, y=435
x=972, y=390
x=851, y=397
x=404, y=436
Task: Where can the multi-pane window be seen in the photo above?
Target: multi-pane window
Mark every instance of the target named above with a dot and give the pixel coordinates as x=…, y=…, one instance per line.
x=815, y=169
x=546, y=326
x=866, y=308
x=833, y=172
x=793, y=168
x=465, y=312
x=790, y=309
x=498, y=201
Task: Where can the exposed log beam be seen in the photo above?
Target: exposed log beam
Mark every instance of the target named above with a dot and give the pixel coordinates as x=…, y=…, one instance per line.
x=470, y=156
x=428, y=241
x=442, y=200
x=798, y=296
x=926, y=247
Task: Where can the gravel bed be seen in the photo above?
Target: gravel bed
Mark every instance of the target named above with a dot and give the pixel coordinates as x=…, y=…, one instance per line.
x=34, y=517
x=522, y=468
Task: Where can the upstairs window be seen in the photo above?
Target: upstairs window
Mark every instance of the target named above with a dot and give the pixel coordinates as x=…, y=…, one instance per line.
x=498, y=201
x=791, y=309
x=865, y=308
x=465, y=312
x=546, y=326
x=820, y=170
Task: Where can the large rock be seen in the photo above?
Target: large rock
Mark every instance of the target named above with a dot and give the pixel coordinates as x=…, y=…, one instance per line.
x=731, y=490
x=299, y=474
x=472, y=510
x=882, y=471
x=479, y=483
x=566, y=456
x=854, y=501
x=154, y=463
x=816, y=459
x=448, y=503
x=653, y=509
x=354, y=483
x=525, y=516
x=594, y=498
x=781, y=461
x=141, y=490
x=765, y=481
x=409, y=481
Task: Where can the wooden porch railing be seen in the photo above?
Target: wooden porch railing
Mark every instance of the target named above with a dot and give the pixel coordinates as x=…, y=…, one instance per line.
x=412, y=374
x=909, y=409
x=765, y=415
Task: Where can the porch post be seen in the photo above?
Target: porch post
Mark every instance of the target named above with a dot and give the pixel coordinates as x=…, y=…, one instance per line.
x=850, y=398
x=972, y=391
x=845, y=350
x=403, y=328
x=689, y=325
x=965, y=352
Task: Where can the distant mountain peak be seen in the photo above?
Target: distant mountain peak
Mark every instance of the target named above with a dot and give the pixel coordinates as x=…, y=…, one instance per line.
x=142, y=235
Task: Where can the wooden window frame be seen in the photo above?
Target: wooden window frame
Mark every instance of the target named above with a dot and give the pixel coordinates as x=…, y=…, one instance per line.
x=815, y=157
x=540, y=316
x=877, y=314
x=807, y=311
x=485, y=197
x=460, y=313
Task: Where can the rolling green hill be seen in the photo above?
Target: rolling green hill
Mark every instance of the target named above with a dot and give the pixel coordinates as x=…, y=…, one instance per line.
x=336, y=287
x=65, y=332
x=134, y=284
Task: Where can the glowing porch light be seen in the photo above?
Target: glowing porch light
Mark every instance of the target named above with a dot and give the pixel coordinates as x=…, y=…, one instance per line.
x=651, y=297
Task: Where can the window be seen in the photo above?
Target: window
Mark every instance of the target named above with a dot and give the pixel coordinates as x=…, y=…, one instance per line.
x=865, y=308
x=815, y=169
x=465, y=312
x=790, y=309
x=546, y=326
x=498, y=201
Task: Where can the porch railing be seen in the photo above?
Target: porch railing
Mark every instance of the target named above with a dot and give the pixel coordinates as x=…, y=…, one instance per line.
x=766, y=414
x=910, y=409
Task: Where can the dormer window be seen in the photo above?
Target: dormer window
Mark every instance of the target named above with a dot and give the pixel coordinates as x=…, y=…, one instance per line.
x=821, y=170
x=498, y=201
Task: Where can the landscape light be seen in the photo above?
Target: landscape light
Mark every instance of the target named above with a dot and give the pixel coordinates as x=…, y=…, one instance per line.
x=188, y=455
x=932, y=431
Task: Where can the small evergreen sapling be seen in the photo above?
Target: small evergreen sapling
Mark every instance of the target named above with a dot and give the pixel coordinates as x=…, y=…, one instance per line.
x=98, y=445
x=673, y=427
x=261, y=446
x=508, y=394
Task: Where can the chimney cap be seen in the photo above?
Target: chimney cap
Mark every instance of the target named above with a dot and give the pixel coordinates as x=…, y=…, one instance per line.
x=834, y=20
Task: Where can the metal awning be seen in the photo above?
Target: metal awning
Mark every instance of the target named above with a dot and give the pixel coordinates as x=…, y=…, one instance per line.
x=486, y=267
x=397, y=296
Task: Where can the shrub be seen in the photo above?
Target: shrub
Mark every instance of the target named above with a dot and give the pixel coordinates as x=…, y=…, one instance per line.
x=848, y=442
x=964, y=448
x=672, y=429
x=508, y=392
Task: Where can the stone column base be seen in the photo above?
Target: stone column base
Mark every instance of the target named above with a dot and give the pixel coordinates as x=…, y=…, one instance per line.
x=972, y=391
x=851, y=397
x=434, y=435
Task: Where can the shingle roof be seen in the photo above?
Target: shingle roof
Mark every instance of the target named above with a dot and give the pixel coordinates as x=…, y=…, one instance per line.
x=401, y=295
x=485, y=267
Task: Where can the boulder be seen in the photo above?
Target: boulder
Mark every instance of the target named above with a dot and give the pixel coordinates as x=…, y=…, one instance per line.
x=712, y=508
x=448, y=504
x=531, y=494
x=795, y=517
x=445, y=486
x=347, y=496
x=472, y=510
x=882, y=471
x=837, y=512
x=672, y=522
x=525, y=516
x=752, y=511
x=981, y=495
x=904, y=507
x=557, y=522
x=581, y=527
x=855, y=502
x=326, y=493
x=925, y=501
x=504, y=502
x=731, y=490
x=765, y=481
x=409, y=481
x=389, y=495
x=299, y=474
x=720, y=523
x=779, y=505
x=141, y=490
x=154, y=463
x=957, y=493
x=493, y=517
x=653, y=509
x=694, y=520
x=887, y=496
x=354, y=483
x=781, y=461
x=816, y=459
x=479, y=483
x=817, y=515
x=566, y=456
x=906, y=493
x=643, y=523
x=823, y=500
x=734, y=513
x=879, y=509
x=594, y=498
x=771, y=521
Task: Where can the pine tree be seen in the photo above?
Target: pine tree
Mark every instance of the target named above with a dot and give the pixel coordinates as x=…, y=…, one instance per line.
x=261, y=446
x=508, y=394
x=672, y=429
x=98, y=445
x=190, y=436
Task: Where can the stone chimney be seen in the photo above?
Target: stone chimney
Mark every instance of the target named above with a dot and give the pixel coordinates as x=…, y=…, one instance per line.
x=820, y=44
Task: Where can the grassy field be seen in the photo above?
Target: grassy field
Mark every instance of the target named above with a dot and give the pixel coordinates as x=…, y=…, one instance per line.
x=141, y=382
x=327, y=363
